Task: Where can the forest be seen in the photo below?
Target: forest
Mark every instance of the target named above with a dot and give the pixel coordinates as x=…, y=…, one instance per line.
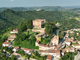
x=10, y=18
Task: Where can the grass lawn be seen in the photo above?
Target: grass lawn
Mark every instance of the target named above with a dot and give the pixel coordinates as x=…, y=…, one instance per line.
x=30, y=33
x=6, y=34
x=74, y=43
x=45, y=40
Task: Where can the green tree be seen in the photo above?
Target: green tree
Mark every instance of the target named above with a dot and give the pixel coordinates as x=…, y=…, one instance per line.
x=29, y=24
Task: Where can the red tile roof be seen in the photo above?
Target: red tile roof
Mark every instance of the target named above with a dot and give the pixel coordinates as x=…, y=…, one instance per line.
x=6, y=43
x=16, y=47
x=37, y=41
x=28, y=49
x=49, y=57
x=51, y=51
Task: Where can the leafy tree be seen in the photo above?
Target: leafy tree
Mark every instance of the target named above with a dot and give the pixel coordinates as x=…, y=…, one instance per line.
x=13, y=57
x=29, y=24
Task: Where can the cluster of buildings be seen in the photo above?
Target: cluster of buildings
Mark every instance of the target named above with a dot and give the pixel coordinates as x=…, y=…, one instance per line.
x=11, y=38
x=51, y=49
x=10, y=41
x=54, y=48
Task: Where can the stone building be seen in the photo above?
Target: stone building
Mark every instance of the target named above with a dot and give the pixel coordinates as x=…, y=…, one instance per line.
x=55, y=40
x=38, y=23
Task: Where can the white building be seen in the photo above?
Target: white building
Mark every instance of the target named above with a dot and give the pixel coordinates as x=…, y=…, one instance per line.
x=68, y=42
x=6, y=44
x=16, y=49
x=14, y=30
x=54, y=53
x=28, y=51
x=13, y=36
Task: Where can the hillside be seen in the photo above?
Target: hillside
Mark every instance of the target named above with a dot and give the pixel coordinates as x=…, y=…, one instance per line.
x=10, y=18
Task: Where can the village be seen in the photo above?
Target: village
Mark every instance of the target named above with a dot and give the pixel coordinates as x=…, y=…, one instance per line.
x=54, y=49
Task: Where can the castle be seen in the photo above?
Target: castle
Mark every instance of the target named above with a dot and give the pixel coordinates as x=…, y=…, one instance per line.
x=38, y=23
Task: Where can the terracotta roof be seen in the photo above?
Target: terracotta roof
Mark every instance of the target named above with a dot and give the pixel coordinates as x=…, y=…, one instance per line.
x=55, y=37
x=6, y=43
x=16, y=47
x=49, y=57
x=51, y=51
x=67, y=41
x=27, y=49
x=64, y=50
x=58, y=52
x=37, y=41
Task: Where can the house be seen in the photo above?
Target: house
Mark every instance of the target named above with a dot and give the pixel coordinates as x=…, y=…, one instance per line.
x=11, y=39
x=55, y=40
x=6, y=44
x=77, y=46
x=49, y=57
x=55, y=53
x=38, y=23
x=37, y=43
x=67, y=42
x=46, y=47
x=69, y=49
x=28, y=51
x=16, y=49
x=14, y=31
x=70, y=39
x=13, y=36
x=77, y=34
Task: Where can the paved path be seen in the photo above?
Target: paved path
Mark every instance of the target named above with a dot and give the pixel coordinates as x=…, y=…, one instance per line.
x=19, y=57
x=77, y=57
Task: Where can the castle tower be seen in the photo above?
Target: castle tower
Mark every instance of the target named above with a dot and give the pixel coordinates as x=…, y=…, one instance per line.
x=38, y=23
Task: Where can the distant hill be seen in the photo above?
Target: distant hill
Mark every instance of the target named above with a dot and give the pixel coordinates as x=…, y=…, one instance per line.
x=46, y=8
x=71, y=7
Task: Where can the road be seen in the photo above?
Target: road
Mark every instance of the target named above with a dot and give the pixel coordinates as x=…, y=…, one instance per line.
x=19, y=57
